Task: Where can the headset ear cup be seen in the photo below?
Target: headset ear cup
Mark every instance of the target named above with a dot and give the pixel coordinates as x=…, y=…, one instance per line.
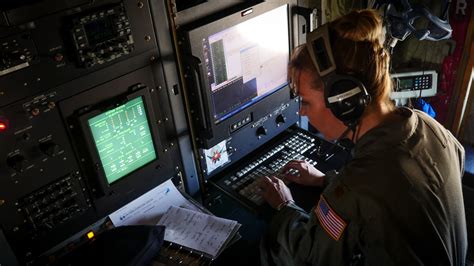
x=346, y=97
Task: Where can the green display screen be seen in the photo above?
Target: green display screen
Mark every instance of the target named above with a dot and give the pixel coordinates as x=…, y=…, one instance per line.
x=406, y=84
x=123, y=139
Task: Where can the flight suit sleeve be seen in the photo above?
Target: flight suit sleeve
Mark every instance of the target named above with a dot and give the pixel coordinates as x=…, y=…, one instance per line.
x=284, y=238
x=297, y=238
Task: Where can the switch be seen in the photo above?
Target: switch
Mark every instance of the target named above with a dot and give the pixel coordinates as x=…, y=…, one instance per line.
x=261, y=131
x=50, y=148
x=17, y=162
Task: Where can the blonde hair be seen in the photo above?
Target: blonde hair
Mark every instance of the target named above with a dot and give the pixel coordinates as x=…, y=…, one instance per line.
x=357, y=46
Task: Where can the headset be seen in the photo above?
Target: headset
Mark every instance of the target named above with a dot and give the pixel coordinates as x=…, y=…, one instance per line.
x=345, y=95
x=402, y=19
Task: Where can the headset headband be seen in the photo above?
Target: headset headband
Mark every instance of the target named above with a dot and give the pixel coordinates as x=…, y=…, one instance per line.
x=319, y=47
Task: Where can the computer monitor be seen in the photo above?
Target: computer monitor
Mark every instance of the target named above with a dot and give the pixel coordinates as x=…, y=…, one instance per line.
x=241, y=70
x=246, y=62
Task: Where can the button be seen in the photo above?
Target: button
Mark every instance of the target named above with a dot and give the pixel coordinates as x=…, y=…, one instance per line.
x=58, y=57
x=35, y=111
x=3, y=125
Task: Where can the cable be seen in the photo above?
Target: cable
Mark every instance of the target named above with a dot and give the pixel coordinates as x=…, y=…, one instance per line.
x=338, y=141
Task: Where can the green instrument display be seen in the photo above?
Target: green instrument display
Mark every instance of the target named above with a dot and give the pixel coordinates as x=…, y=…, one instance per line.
x=123, y=139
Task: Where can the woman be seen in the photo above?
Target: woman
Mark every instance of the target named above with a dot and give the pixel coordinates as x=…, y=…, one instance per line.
x=399, y=200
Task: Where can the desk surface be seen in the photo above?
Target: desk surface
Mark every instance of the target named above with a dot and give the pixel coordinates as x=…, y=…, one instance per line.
x=246, y=249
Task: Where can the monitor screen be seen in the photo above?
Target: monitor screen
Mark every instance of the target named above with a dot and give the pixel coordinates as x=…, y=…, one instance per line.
x=123, y=139
x=247, y=62
x=99, y=30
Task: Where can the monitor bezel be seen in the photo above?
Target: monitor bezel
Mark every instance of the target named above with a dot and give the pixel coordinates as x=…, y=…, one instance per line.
x=91, y=148
x=192, y=45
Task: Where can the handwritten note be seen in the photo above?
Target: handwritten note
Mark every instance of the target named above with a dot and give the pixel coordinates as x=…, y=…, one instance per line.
x=148, y=208
x=196, y=230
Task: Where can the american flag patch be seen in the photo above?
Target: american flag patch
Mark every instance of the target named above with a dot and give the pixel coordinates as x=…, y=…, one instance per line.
x=329, y=220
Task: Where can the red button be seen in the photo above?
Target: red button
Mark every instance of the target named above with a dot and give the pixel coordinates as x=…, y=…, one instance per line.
x=3, y=126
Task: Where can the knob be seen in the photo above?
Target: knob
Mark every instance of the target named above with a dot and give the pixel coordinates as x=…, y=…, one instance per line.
x=280, y=119
x=17, y=162
x=50, y=148
x=261, y=131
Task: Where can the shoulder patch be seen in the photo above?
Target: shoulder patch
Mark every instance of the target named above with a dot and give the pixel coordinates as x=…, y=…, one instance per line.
x=332, y=223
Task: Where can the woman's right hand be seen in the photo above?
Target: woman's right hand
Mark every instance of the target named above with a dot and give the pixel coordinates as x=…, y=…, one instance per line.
x=308, y=174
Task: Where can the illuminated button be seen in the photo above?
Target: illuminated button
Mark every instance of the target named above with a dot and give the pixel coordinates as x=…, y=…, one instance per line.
x=90, y=235
x=3, y=126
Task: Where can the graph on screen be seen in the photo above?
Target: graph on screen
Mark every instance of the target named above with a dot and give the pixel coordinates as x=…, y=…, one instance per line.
x=123, y=139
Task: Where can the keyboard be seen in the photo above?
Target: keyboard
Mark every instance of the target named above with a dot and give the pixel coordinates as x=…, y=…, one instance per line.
x=242, y=182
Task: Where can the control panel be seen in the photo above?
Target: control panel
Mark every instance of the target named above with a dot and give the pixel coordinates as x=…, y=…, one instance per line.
x=53, y=204
x=60, y=71
x=51, y=50
x=241, y=181
x=249, y=131
x=102, y=36
x=414, y=84
x=17, y=52
x=42, y=189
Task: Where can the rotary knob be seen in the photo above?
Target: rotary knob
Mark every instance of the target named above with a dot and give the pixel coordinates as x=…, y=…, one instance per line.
x=280, y=119
x=261, y=131
x=17, y=162
x=50, y=148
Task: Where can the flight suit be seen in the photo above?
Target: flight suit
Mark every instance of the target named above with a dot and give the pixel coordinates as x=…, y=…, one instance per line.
x=397, y=202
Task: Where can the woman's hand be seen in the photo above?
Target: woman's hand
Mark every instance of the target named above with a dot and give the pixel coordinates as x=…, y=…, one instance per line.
x=308, y=174
x=274, y=191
